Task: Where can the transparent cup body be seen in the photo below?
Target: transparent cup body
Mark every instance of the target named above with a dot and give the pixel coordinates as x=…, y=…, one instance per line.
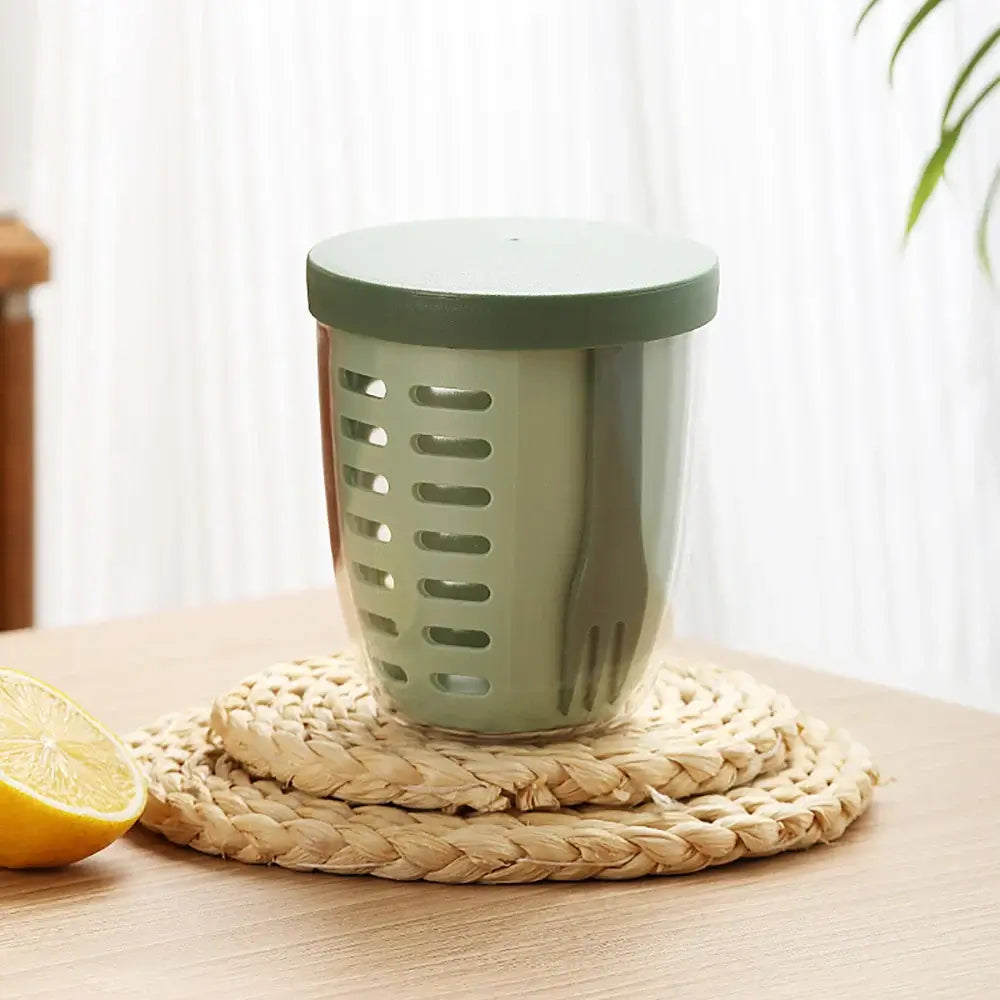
x=505, y=526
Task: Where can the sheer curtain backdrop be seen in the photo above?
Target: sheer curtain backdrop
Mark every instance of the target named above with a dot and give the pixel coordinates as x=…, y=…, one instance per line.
x=181, y=157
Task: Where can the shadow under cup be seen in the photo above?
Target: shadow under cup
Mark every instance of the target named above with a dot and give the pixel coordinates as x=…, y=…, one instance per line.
x=506, y=421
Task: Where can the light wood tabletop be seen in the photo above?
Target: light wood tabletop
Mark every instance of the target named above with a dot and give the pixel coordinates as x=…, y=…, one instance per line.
x=906, y=905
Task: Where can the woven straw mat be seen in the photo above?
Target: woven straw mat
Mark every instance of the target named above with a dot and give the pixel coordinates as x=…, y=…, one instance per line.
x=298, y=767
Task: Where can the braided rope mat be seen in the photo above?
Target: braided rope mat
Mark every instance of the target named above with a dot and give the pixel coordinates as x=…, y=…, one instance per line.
x=200, y=795
x=314, y=725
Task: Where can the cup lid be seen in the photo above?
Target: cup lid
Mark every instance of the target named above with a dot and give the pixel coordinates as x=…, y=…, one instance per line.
x=512, y=283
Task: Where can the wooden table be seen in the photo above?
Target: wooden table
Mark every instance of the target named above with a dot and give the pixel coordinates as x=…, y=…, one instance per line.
x=907, y=905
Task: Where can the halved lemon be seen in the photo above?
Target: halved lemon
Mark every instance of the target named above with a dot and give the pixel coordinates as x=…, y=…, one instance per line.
x=68, y=786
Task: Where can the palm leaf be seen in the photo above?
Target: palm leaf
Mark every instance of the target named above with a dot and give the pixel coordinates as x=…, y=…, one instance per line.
x=926, y=8
x=934, y=168
x=980, y=97
x=983, y=229
x=933, y=172
x=869, y=7
x=966, y=72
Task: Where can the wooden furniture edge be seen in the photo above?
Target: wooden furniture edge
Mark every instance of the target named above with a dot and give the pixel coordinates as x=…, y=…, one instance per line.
x=24, y=263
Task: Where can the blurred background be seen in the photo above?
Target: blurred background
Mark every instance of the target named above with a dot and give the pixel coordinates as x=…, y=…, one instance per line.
x=180, y=159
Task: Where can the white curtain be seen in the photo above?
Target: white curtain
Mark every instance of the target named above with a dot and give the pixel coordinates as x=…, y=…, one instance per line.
x=182, y=157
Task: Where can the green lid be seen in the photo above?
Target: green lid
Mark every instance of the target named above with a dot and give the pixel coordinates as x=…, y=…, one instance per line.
x=514, y=284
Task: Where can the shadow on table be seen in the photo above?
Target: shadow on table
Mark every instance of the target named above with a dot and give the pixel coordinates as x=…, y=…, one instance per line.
x=75, y=885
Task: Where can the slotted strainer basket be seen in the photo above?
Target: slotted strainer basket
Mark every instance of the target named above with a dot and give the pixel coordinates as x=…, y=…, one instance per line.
x=505, y=412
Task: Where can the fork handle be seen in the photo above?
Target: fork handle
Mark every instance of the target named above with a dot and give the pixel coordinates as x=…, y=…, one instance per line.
x=607, y=595
x=614, y=442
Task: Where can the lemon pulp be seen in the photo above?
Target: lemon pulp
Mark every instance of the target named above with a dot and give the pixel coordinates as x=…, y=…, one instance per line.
x=68, y=786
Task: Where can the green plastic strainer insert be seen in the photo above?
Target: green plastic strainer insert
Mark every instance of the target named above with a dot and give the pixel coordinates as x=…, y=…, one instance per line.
x=505, y=410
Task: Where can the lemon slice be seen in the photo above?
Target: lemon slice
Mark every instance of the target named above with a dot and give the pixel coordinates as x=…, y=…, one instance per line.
x=68, y=786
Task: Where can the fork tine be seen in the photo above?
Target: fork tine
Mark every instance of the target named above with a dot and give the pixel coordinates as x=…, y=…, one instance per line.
x=619, y=663
x=572, y=656
x=598, y=647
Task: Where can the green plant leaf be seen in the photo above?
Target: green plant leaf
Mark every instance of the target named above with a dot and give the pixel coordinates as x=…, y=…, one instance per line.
x=869, y=7
x=934, y=168
x=933, y=172
x=927, y=7
x=966, y=72
x=983, y=229
x=980, y=97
